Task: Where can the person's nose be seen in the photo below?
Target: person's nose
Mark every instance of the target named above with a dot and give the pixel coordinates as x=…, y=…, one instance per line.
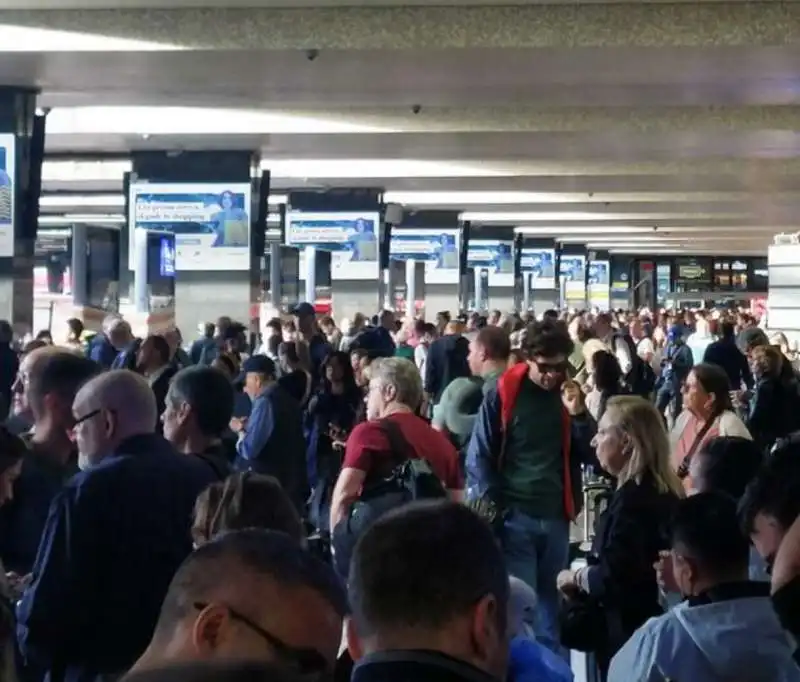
x=18, y=387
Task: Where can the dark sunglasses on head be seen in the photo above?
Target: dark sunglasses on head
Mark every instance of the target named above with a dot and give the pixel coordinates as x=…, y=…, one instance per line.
x=545, y=367
x=303, y=660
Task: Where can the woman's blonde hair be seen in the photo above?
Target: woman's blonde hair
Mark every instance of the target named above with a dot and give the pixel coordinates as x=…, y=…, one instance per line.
x=648, y=442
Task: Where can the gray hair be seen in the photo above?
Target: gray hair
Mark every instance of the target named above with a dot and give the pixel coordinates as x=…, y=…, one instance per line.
x=402, y=375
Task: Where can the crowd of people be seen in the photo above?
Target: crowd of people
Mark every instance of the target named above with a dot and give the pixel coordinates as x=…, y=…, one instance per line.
x=385, y=500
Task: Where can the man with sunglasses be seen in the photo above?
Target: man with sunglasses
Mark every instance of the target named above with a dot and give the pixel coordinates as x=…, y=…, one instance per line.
x=524, y=465
x=251, y=595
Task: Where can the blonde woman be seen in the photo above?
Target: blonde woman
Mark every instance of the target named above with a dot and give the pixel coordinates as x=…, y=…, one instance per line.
x=619, y=581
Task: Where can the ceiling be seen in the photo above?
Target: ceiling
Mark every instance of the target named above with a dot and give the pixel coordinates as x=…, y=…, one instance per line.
x=646, y=149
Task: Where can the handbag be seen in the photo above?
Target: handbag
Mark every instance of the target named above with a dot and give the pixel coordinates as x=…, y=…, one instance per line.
x=587, y=624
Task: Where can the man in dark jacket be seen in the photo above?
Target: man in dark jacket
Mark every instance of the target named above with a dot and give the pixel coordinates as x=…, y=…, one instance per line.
x=524, y=461
x=447, y=360
x=271, y=440
x=114, y=537
x=725, y=353
x=9, y=366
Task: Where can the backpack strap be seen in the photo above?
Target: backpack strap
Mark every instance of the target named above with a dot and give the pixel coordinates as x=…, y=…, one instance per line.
x=399, y=447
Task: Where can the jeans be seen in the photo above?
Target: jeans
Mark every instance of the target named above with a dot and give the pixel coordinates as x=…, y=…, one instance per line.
x=536, y=550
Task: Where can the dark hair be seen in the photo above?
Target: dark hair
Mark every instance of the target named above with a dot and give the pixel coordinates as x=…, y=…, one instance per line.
x=208, y=330
x=229, y=362
x=607, y=372
x=6, y=331
x=728, y=464
x=547, y=339
x=34, y=344
x=274, y=324
x=12, y=450
x=245, y=500
x=75, y=326
x=348, y=376
x=265, y=552
x=727, y=330
x=215, y=671
x=289, y=350
x=715, y=382
x=705, y=527
x=208, y=393
x=61, y=373
x=160, y=346
x=775, y=490
x=495, y=342
x=424, y=565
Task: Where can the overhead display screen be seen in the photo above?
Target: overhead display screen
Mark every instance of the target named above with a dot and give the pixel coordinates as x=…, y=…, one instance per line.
x=352, y=239
x=7, y=158
x=494, y=256
x=599, y=284
x=541, y=263
x=572, y=273
x=437, y=248
x=211, y=222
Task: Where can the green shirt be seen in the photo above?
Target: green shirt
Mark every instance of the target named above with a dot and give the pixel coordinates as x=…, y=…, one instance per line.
x=533, y=467
x=406, y=352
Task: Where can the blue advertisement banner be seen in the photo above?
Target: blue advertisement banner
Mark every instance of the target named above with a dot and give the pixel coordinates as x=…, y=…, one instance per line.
x=599, y=284
x=572, y=272
x=211, y=222
x=437, y=248
x=351, y=237
x=542, y=264
x=7, y=158
x=496, y=257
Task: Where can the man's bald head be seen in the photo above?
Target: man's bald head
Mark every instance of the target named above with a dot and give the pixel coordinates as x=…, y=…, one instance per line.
x=29, y=368
x=110, y=408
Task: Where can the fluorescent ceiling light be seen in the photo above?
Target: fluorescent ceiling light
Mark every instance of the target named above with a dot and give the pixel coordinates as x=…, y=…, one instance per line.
x=687, y=251
x=192, y=121
x=21, y=38
x=540, y=216
x=587, y=231
x=377, y=169
x=69, y=219
x=85, y=171
x=110, y=200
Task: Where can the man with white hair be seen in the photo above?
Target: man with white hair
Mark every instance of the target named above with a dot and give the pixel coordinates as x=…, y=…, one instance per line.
x=113, y=337
x=395, y=395
x=114, y=537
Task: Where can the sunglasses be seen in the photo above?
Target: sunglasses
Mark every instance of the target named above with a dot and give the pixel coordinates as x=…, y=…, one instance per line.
x=306, y=661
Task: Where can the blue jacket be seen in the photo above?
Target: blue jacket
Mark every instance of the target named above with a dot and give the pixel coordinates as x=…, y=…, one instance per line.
x=488, y=441
x=273, y=443
x=733, y=639
x=101, y=351
x=530, y=661
x=115, y=535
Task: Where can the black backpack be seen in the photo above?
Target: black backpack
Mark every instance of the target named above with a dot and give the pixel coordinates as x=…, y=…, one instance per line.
x=411, y=479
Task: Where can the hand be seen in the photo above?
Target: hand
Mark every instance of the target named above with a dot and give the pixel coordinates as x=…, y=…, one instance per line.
x=565, y=582
x=573, y=401
x=237, y=424
x=665, y=577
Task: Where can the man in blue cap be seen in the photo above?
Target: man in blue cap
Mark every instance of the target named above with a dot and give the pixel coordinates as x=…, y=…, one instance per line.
x=271, y=440
x=676, y=365
x=318, y=346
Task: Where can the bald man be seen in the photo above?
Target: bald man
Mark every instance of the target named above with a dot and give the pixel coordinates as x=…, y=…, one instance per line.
x=20, y=405
x=114, y=537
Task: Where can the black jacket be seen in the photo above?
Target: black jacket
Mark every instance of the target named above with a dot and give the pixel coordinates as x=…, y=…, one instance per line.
x=726, y=354
x=416, y=666
x=447, y=360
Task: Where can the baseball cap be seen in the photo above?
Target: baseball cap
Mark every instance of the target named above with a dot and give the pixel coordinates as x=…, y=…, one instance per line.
x=256, y=364
x=303, y=309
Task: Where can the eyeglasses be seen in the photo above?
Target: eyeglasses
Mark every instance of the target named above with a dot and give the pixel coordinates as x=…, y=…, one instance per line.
x=545, y=367
x=304, y=660
x=86, y=417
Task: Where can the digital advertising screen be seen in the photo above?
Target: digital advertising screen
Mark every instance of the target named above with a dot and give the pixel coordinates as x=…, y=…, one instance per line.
x=541, y=263
x=572, y=272
x=161, y=262
x=599, y=284
x=102, y=268
x=495, y=256
x=290, y=275
x=211, y=222
x=352, y=239
x=7, y=159
x=437, y=248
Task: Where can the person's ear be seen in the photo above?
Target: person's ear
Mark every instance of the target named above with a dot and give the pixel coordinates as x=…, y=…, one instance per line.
x=484, y=627
x=352, y=640
x=210, y=629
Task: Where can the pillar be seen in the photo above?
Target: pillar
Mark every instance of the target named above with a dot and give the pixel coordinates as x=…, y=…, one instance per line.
x=21, y=157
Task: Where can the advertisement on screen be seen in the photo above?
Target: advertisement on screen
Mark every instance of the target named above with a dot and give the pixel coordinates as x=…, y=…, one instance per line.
x=352, y=239
x=495, y=256
x=211, y=222
x=599, y=284
x=541, y=264
x=7, y=158
x=437, y=248
x=572, y=274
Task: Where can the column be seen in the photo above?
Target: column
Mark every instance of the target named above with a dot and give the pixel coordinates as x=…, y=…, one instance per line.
x=21, y=157
x=216, y=210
